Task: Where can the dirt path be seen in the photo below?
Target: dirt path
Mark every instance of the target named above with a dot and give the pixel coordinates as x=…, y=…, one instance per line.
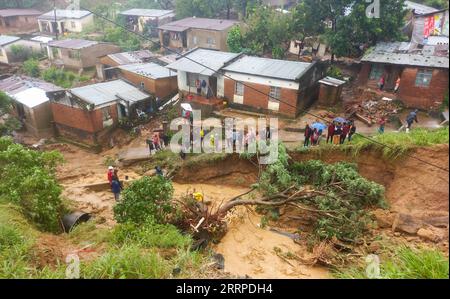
x=247, y=248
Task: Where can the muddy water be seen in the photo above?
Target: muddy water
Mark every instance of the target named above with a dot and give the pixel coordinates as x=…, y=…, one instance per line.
x=247, y=248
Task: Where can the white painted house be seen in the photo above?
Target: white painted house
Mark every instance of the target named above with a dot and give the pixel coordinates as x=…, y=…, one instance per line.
x=61, y=21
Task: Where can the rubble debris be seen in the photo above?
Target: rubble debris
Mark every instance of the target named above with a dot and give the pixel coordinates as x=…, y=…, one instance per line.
x=371, y=111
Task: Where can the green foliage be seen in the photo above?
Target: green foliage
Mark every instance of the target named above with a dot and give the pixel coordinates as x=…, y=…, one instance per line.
x=335, y=72
x=150, y=234
x=20, y=52
x=405, y=263
x=144, y=198
x=268, y=30
x=31, y=68
x=199, y=8
x=349, y=30
x=399, y=143
x=122, y=38
x=344, y=196
x=62, y=78
x=27, y=178
x=347, y=194
x=128, y=261
x=276, y=176
x=5, y=103
x=235, y=40
x=10, y=125
x=439, y=4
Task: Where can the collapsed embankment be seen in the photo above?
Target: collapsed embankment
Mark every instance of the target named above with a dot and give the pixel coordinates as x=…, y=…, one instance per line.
x=411, y=185
x=417, y=193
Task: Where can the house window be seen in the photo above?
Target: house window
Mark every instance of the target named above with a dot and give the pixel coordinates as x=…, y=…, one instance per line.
x=376, y=72
x=423, y=77
x=210, y=41
x=106, y=112
x=194, y=40
x=73, y=25
x=75, y=55
x=274, y=98
x=239, y=89
x=142, y=84
x=191, y=78
x=275, y=93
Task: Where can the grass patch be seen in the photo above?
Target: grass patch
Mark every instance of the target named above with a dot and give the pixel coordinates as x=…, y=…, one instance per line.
x=150, y=235
x=205, y=158
x=398, y=143
x=406, y=263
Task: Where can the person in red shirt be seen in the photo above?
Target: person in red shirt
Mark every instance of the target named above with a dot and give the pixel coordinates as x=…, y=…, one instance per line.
x=345, y=131
x=330, y=132
x=110, y=174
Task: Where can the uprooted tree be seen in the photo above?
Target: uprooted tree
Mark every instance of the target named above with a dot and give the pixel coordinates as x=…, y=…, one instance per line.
x=334, y=198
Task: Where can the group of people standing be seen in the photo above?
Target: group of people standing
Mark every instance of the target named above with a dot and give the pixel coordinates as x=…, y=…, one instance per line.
x=382, y=82
x=337, y=133
x=158, y=141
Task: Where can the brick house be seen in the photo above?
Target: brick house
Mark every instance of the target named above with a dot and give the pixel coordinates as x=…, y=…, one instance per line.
x=87, y=114
x=107, y=66
x=66, y=21
x=147, y=19
x=225, y=75
x=291, y=86
x=78, y=53
x=150, y=77
x=195, y=32
x=31, y=103
x=17, y=20
x=423, y=72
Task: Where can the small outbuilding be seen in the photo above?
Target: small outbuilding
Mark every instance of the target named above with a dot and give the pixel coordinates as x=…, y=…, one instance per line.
x=330, y=91
x=31, y=103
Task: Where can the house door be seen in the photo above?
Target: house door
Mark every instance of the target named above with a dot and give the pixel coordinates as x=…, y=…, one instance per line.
x=213, y=85
x=122, y=110
x=54, y=27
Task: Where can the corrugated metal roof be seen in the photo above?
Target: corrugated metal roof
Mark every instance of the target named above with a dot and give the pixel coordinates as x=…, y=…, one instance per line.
x=107, y=92
x=29, y=91
x=332, y=81
x=132, y=57
x=65, y=14
x=16, y=84
x=155, y=13
x=149, y=70
x=168, y=58
x=7, y=39
x=419, y=8
x=198, y=23
x=72, y=43
x=389, y=53
x=213, y=60
x=12, y=12
x=266, y=67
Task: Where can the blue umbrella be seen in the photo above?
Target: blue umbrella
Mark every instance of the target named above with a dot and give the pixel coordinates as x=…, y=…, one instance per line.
x=318, y=126
x=340, y=120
